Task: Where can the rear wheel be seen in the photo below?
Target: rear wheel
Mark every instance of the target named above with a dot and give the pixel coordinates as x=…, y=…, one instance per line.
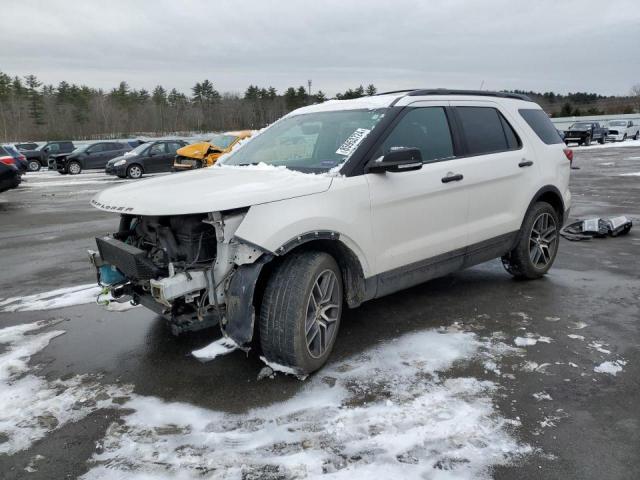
x=34, y=165
x=301, y=310
x=134, y=171
x=537, y=244
x=74, y=168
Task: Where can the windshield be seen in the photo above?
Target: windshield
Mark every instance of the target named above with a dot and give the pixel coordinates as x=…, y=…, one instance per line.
x=222, y=140
x=139, y=149
x=618, y=124
x=581, y=125
x=313, y=142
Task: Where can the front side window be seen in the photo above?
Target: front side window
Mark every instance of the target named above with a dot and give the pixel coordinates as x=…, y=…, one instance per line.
x=424, y=128
x=99, y=147
x=486, y=130
x=311, y=142
x=157, y=149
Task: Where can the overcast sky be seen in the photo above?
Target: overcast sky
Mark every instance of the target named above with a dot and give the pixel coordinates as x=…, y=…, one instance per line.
x=585, y=45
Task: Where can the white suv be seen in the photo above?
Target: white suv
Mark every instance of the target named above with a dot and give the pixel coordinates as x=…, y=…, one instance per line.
x=336, y=204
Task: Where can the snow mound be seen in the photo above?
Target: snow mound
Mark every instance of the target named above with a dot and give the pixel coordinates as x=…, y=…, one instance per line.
x=382, y=414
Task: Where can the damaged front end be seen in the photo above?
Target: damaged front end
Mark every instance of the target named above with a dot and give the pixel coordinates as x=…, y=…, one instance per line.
x=191, y=269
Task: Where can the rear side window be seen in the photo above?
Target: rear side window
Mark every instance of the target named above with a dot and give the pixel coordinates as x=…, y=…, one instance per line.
x=486, y=130
x=425, y=128
x=540, y=123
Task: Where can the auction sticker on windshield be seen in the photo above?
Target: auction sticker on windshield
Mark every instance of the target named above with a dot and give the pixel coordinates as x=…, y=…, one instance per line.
x=351, y=143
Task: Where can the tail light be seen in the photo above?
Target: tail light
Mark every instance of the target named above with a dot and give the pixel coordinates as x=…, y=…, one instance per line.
x=7, y=160
x=569, y=154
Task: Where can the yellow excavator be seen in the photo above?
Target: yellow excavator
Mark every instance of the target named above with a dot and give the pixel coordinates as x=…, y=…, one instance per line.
x=205, y=154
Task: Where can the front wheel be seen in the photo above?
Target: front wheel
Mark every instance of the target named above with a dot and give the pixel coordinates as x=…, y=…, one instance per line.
x=537, y=245
x=74, y=168
x=134, y=171
x=601, y=140
x=301, y=310
x=34, y=165
x=637, y=135
x=587, y=141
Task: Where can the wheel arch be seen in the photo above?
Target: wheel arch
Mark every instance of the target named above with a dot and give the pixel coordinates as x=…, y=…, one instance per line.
x=551, y=195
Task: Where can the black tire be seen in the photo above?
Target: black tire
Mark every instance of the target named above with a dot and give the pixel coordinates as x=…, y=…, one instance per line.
x=525, y=260
x=74, y=168
x=601, y=140
x=637, y=136
x=34, y=165
x=288, y=316
x=624, y=137
x=62, y=172
x=135, y=171
x=587, y=141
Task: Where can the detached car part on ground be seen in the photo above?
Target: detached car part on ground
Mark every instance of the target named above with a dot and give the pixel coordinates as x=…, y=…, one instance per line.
x=205, y=154
x=405, y=187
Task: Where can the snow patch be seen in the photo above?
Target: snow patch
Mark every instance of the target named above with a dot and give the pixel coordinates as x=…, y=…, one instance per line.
x=575, y=337
x=222, y=346
x=599, y=347
x=612, y=368
x=59, y=298
x=530, y=340
x=276, y=367
x=542, y=396
x=631, y=174
x=382, y=414
x=30, y=406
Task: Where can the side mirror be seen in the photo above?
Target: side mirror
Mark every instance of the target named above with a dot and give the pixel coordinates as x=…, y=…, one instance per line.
x=402, y=160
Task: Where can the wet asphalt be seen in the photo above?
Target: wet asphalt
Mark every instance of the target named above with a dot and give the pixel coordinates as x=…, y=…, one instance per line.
x=595, y=433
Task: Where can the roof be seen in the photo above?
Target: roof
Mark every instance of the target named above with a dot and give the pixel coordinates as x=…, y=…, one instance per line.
x=388, y=99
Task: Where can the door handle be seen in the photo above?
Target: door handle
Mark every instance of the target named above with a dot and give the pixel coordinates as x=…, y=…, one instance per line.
x=525, y=163
x=450, y=177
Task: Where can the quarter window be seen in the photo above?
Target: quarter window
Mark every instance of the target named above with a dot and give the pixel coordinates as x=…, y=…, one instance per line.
x=541, y=125
x=486, y=130
x=425, y=128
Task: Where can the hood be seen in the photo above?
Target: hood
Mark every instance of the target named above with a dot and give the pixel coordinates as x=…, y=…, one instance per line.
x=196, y=150
x=209, y=190
x=121, y=157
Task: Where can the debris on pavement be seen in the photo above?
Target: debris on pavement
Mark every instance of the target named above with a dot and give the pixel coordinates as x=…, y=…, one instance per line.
x=597, y=227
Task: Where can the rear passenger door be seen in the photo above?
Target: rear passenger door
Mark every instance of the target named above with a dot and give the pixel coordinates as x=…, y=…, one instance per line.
x=418, y=216
x=499, y=173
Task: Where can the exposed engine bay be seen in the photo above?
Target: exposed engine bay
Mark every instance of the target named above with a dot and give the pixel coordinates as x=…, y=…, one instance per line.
x=178, y=266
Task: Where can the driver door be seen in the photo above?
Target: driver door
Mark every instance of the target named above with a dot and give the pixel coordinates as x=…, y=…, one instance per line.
x=419, y=217
x=157, y=158
x=95, y=154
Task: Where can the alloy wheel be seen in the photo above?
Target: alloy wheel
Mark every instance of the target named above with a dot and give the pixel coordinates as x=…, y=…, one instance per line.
x=323, y=311
x=74, y=168
x=135, y=171
x=543, y=241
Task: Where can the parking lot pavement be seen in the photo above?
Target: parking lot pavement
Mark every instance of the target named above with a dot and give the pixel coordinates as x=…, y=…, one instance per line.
x=472, y=375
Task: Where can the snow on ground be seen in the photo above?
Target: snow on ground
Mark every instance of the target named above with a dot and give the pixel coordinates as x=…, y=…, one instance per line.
x=61, y=297
x=612, y=368
x=531, y=339
x=31, y=406
x=222, y=346
x=632, y=174
x=387, y=412
x=597, y=146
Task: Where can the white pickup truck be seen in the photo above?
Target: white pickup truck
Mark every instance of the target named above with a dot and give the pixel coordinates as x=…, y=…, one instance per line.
x=620, y=130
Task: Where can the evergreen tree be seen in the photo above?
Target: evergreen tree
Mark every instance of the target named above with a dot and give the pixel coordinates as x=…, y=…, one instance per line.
x=371, y=90
x=36, y=108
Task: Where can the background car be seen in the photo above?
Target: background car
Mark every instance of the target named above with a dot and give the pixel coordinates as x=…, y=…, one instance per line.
x=26, y=146
x=20, y=160
x=205, y=154
x=584, y=132
x=39, y=157
x=620, y=130
x=89, y=156
x=150, y=157
x=9, y=176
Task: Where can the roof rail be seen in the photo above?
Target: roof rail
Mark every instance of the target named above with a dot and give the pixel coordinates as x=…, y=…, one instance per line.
x=397, y=91
x=480, y=93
